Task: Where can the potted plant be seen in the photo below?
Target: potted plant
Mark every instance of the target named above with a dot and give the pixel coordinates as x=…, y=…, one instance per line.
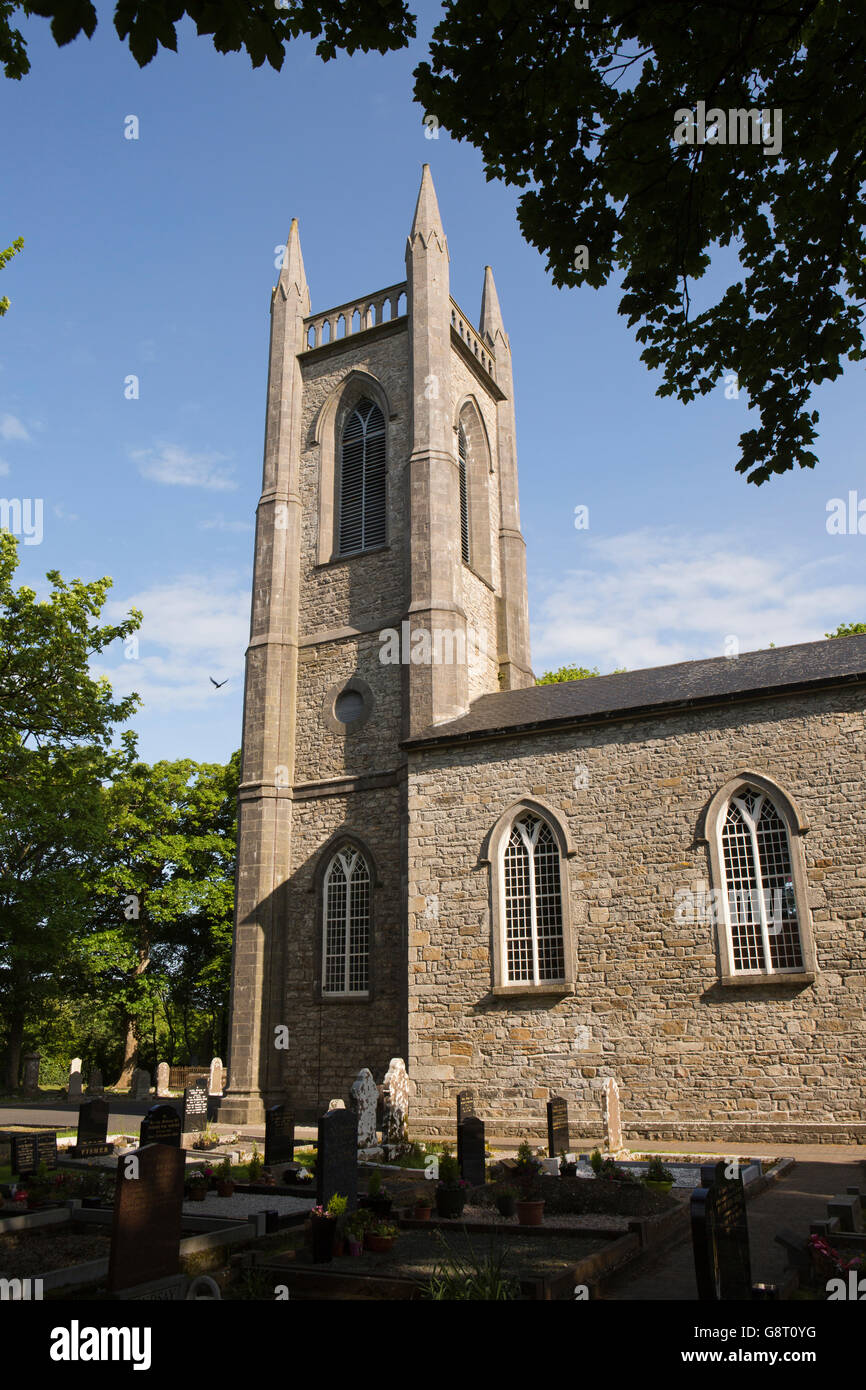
x=90, y=1190
x=422, y=1209
x=208, y=1138
x=378, y=1198
x=356, y=1224
x=197, y=1186
x=380, y=1237
x=451, y=1188
x=530, y=1208
x=323, y=1229
x=657, y=1177
x=225, y=1185
x=337, y=1209
x=506, y=1200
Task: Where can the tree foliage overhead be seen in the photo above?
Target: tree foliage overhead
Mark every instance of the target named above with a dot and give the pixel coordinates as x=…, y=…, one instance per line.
x=578, y=107
x=848, y=630
x=263, y=28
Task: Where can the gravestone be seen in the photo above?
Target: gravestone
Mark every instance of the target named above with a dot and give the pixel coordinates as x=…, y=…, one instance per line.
x=279, y=1136
x=470, y=1143
x=558, y=1137
x=337, y=1166
x=140, y=1088
x=92, y=1129
x=29, y=1150
x=848, y=1209
x=336, y=1105
x=31, y=1072
x=395, y=1097
x=720, y=1236
x=94, y=1085
x=146, y=1225
x=76, y=1083
x=611, y=1115
x=364, y=1097
x=465, y=1106
x=161, y=1125
x=163, y=1075
x=215, y=1078
x=195, y=1107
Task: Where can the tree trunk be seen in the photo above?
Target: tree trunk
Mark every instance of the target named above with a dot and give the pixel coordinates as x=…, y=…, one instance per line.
x=13, y=1050
x=130, y=1054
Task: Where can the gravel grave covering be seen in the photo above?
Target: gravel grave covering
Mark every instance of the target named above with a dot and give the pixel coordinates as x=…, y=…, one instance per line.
x=243, y=1204
x=30, y=1254
x=415, y=1253
x=589, y=1221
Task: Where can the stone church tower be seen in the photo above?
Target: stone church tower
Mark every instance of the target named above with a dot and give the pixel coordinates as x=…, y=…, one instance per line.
x=389, y=593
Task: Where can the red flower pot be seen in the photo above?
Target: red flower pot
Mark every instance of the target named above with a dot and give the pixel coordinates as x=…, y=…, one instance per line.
x=530, y=1213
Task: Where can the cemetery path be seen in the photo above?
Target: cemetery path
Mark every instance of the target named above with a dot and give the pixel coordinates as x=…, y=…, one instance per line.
x=791, y=1202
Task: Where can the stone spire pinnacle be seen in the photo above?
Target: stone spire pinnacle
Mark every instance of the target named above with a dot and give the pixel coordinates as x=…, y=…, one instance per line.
x=292, y=274
x=491, y=324
x=427, y=222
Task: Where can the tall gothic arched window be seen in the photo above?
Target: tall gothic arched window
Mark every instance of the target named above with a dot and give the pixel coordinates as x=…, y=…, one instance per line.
x=464, y=497
x=346, y=924
x=362, y=480
x=759, y=885
x=534, y=948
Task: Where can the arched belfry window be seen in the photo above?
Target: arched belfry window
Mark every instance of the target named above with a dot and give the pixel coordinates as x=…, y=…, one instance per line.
x=755, y=832
x=346, y=925
x=759, y=885
x=464, y=497
x=534, y=951
x=362, y=480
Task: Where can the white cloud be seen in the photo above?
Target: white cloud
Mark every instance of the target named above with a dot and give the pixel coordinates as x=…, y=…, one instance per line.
x=218, y=523
x=649, y=598
x=62, y=514
x=193, y=628
x=12, y=428
x=4, y=468
x=176, y=467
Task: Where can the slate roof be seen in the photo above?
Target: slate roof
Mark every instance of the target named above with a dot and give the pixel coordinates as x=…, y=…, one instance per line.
x=658, y=690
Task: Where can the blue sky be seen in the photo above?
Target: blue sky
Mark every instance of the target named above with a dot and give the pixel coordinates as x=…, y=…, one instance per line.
x=155, y=258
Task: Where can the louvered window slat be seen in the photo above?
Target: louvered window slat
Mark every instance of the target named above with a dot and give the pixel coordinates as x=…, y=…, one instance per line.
x=363, y=480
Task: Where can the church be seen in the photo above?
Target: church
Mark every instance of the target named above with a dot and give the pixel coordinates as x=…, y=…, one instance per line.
x=657, y=876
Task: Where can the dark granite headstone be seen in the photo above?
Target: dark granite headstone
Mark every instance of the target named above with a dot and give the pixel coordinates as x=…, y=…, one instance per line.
x=337, y=1166
x=161, y=1125
x=720, y=1236
x=195, y=1107
x=279, y=1136
x=465, y=1105
x=29, y=1150
x=92, y=1129
x=558, y=1137
x=470, y=1143
x=146, y=1226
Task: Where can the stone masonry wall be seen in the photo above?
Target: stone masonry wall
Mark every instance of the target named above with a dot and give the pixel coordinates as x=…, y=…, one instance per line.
x=691, y=1056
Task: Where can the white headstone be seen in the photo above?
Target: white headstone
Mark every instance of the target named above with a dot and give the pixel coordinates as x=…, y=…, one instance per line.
x=364, y=1097
x=612, y=1122
x=395, y=1096
x=215, y=1078
x=337, y=1105
x=163, y=1073
x=76, y=1082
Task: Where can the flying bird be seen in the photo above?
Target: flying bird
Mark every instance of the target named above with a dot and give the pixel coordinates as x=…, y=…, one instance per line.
x=219, y=684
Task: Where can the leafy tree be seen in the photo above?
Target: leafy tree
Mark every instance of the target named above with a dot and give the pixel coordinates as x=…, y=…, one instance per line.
x=5, y=258
x=163, y=920
x=847, y=630
x=579, y=106
x=56, y=729
x=262, y=27
x=572, y=673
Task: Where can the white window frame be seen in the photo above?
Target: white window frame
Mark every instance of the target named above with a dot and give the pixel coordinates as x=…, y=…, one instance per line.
x=494, y=855
x=348, y=856
x=796, y=828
